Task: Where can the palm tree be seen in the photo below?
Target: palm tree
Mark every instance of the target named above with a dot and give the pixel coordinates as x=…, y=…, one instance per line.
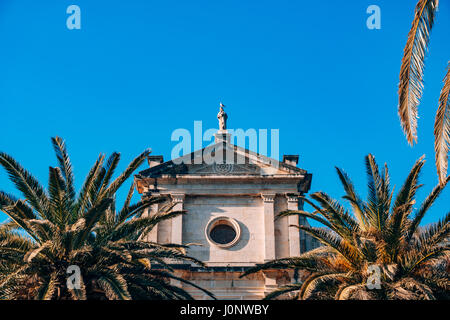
x=383, y=232
x=52, y=232
x=411, y=86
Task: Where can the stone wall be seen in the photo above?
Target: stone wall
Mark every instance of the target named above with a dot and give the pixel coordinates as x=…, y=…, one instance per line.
x=229, y=286
x=247, y=211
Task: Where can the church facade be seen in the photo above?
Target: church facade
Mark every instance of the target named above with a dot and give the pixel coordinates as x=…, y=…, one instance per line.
x=231, y=215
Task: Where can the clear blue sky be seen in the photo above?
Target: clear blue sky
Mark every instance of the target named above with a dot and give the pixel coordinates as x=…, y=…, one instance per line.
x=137, y=70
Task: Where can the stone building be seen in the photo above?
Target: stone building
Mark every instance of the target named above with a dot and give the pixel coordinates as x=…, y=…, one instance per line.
x=231, y=208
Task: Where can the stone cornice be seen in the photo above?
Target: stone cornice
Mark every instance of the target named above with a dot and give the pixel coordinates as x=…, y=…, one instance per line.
x=184, y=164
x=191, y=179
x=223, y=189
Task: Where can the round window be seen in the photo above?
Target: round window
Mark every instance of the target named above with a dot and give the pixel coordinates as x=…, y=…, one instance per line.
x=223, y=232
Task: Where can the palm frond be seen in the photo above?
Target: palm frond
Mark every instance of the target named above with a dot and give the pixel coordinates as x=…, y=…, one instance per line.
x=310, y=286
x=20, y=213
x=59, y=199
x=407, y=193
x=65, y=166
x=283, y=290
x=135, y=163
x=91, y=217
x=354, y=292
x=48, y=288
x=410, y=289
x=111, y=165
x=308, y=261
x=33, y=253
x=337, y=215
x=26, y=183
x=305, y=214
x=84, y=200
x=115, y=286
x=436, y=233
x=411, y=72
x=442, y=129
x=139, y=227
x=427, y=203
x=162, y=273
x=377, y=199
x=353, y=198
x=344, y=248
x=127, y=202
x=136, y=210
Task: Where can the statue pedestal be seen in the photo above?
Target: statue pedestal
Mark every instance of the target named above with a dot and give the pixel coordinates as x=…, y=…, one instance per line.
x=222, y=135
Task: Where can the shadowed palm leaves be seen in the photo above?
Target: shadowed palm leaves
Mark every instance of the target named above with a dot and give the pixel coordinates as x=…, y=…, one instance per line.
x=411, y=86
x=382, y=231
x=56, y=228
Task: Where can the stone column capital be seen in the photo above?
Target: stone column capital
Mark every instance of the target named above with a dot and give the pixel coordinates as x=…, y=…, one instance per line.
x=178, y=197
x=292, y=197
x=268, y=197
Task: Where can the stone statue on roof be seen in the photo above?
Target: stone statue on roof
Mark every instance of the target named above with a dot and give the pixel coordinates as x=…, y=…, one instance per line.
x=222, y=116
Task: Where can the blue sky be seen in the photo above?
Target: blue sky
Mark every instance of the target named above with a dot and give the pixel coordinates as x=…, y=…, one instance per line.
x=137, y=70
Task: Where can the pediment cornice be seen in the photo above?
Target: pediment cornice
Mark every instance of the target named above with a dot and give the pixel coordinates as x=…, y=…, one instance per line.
x=243, y=162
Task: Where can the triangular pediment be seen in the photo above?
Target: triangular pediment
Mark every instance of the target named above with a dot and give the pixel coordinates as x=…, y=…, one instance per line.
x=222, y=159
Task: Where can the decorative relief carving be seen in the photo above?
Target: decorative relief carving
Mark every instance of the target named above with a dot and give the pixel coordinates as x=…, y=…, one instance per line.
x=223, y=168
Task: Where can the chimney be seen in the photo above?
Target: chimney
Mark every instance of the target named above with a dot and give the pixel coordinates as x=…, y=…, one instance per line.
x=153, y=161
x=291, y=159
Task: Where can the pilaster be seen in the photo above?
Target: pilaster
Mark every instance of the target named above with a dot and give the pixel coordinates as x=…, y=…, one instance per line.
x=177, y=222
x=269, y=226
x=294, y=234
